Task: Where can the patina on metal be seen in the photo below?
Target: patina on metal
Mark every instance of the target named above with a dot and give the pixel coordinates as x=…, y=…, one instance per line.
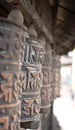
x=11, y=56
x=46, y=90
x=32, y=78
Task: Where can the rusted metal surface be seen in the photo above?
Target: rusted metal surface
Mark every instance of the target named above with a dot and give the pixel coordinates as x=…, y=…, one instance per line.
x=46, y=90
x=31, y=80
x=11, y=54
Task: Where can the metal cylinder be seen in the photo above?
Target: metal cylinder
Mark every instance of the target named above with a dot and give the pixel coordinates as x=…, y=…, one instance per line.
x=11, y=56
x=46, y=89
x=31, y=80
x=56, y=76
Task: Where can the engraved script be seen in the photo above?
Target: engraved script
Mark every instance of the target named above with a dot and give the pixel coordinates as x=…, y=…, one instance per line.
x=31, y=106
x=31, y=80
x=5, y=87
x=33, y=54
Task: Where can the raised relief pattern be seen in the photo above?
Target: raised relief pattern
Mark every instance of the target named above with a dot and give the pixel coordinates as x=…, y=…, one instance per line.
x=34, y=54
x=31, y=80
x=46, y=90
x=9, y=87
x=11, y=46
x=30, y=108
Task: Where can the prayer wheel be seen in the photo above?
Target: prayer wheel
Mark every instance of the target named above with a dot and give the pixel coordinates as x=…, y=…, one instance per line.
x=46, y=90
x=56, y=76
x=11, y=56
x=31, y=80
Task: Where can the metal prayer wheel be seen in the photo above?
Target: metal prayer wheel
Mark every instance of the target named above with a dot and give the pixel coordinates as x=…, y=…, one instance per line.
x=11, y=56
x=56, y=75
x=46, y=90
x=31, y=80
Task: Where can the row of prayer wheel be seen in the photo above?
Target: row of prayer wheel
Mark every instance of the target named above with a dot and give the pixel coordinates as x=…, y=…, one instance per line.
x=25, y=76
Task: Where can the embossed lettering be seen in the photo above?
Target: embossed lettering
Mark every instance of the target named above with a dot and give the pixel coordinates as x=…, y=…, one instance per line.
x=4, y=123
x=33, y=54
x=45, y=95
x=6, y=94
x=13, y=124
x=5, y=82
x=6, y=79
x=46, y=76
x=10, y=51
x=16, y=85
x=23, y=80
x=31, y=106
x=28, y=107
x=31, y=80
